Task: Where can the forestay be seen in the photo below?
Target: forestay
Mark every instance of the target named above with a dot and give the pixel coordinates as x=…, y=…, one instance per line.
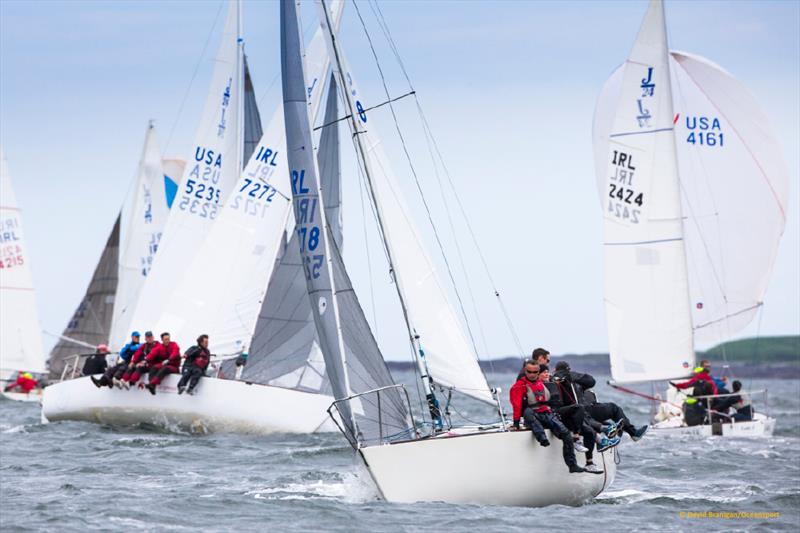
x=451, y=361
x=646, y=290
x=20, y=331
x=223, y=281
x=144, y=215
x=352, y=357
x=213, y=168
x=734, y=190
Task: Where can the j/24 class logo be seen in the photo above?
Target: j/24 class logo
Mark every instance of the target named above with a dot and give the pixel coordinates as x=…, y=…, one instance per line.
x=625, y=202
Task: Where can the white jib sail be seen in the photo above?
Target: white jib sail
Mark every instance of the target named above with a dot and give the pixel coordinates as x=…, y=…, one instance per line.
x=241, y=246
x=451, y=360
x=734, y=190
x=211, y=173
x=20, y=331
x=144, y=215
x=646, y=290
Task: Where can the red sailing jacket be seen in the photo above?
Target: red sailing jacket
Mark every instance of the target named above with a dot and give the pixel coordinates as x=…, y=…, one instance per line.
x=161, y=355
x=27, y=384
x=143, y=351
x=519, y=392
x=700, y=376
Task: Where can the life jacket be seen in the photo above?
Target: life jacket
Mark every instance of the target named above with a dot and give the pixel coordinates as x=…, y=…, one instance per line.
x=537, y=400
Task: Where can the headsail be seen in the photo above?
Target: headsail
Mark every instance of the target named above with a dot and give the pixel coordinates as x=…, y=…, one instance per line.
x=20, y=331
x=91, y=321
x=284, y=350
x=647, y=294
x=144, y=214
x=352, y=357
x=212, y=170
x=450, y=359
x=253, y=130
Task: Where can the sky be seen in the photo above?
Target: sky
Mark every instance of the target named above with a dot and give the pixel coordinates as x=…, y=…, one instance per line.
x=508, y=88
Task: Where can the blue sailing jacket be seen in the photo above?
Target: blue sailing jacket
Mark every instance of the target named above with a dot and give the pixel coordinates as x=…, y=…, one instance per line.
x=128, y=350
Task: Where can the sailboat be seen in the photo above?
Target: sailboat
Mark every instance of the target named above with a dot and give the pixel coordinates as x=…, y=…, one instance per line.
x=372, y=411
x=20, y=331
x=252, y=307
x=694, y=191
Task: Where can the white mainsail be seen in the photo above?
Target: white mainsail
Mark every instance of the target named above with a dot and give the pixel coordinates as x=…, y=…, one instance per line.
x=734, y=191
x=450, y=359
x=647, y=293
x=352, y=357
x=144, y=215
x=20, y=331
x=211, y=172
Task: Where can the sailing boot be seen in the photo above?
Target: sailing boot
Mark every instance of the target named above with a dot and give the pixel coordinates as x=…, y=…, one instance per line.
x=639, y=433
x=97, y=382
x=151, y=387
x=575, y=469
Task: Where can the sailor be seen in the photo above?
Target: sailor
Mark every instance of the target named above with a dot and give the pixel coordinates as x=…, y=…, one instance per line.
x=740, y=401
x=96, y=363
x=695, y=411
x=194, y=365
x=575, y=419
x=164, y=359
x=529, y=401
x=540, y=356
x=24, y=383
x=138, y=364
x=116, y=371
x=701, y=373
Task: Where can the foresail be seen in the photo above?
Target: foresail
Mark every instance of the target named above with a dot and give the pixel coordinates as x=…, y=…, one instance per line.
x=211, y=173
x=646, y=289
x=144, y=215
x=735, y=186
x=284, y=350
x=352, y=358
x=20, y=331
x=91, y=321
x=451, y=361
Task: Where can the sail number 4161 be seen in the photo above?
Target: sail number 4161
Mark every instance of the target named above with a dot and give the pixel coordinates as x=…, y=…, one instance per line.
x=706, y=138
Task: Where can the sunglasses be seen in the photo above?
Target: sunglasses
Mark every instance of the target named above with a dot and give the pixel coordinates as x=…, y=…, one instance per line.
x=531, y=371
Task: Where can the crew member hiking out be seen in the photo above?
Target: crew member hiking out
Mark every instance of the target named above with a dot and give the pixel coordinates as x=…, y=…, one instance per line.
x=194, y=365
x=529, y=400
x=165, y=359
x=117, y=371
x=138, y=365
x=96, y=363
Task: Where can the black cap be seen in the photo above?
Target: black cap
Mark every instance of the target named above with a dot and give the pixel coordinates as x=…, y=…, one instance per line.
x=562, y=365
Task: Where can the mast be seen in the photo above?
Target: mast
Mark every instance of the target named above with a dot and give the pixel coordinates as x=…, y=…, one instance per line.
x=418, y=354
x=674, y=150
x=240, y=89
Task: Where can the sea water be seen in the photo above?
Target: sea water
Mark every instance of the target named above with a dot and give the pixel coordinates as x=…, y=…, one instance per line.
x=77, y=476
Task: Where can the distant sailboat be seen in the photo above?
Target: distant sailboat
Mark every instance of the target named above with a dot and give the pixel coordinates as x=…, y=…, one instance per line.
x=373, y=411
x=20, y=332
x=284, y=366
x=694, y=191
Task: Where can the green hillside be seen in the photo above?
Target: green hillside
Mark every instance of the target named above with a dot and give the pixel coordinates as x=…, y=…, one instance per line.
x=763, y=349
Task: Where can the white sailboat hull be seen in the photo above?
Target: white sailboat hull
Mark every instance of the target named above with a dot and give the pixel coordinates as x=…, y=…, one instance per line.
x=760, y=426
x=497, y=468
x=33, y=396
x=218, y=405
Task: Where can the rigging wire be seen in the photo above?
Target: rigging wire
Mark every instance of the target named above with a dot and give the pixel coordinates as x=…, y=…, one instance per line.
x=416, y=177
x=429, y=134
x=194, y=75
